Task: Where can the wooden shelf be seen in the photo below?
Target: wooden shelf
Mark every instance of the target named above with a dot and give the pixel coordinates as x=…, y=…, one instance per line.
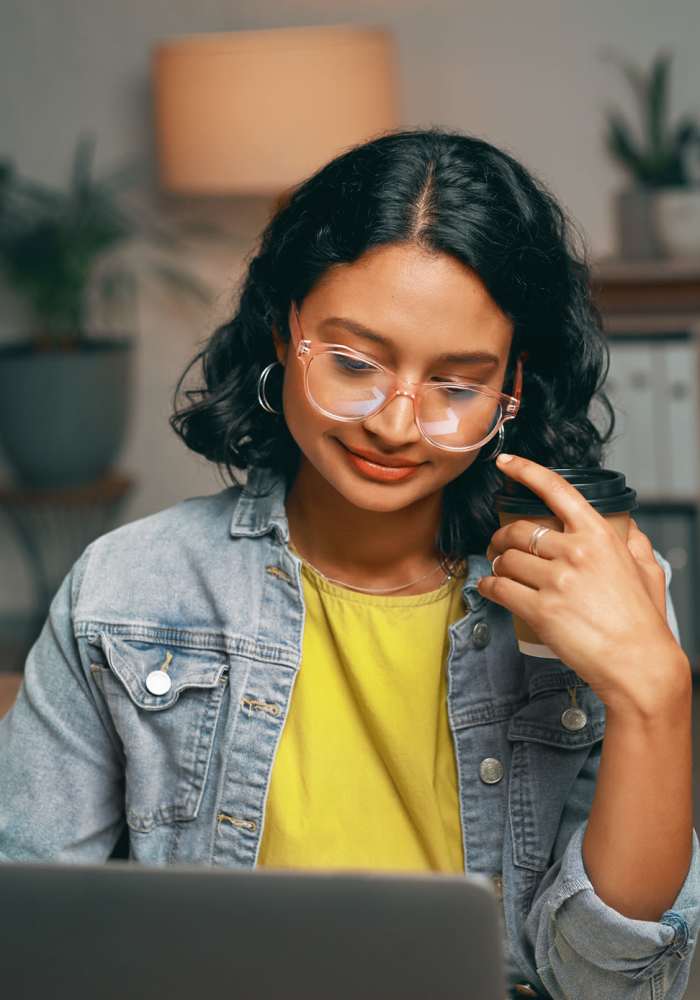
x=663, y=285
x=662, y=269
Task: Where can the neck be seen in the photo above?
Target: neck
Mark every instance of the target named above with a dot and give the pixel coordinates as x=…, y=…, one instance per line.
x=363, y=547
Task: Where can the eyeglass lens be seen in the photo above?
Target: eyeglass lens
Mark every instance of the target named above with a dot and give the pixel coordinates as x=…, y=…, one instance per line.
x=346, y=386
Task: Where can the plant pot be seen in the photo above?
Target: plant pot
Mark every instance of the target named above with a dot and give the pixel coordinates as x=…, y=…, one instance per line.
x=678, y=220
x=636, y=223
x=63, y=412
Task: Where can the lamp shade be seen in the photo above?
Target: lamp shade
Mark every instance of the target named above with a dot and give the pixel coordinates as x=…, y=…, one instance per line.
x=255, y=112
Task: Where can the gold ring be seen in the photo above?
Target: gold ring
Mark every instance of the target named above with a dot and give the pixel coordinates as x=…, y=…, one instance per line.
x=539, y=531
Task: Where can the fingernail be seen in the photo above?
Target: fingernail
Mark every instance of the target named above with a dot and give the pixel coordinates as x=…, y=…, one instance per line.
x=503, y=458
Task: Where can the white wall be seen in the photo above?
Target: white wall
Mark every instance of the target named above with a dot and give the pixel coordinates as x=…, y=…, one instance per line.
x=528, y=77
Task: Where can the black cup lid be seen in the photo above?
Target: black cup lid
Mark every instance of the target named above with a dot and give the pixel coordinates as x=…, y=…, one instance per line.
x=605, y=489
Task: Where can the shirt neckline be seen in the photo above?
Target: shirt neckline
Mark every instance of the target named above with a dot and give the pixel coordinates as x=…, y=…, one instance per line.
x=379, y=600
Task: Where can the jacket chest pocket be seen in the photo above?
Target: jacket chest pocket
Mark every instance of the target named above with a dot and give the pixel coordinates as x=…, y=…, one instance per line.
x=551, y=739
x=165, y=702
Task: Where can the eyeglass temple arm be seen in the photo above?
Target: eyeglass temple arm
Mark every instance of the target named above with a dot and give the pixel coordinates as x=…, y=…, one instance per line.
x=518, y=386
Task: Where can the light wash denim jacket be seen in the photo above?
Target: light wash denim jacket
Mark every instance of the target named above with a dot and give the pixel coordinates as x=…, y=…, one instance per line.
x=212, y=582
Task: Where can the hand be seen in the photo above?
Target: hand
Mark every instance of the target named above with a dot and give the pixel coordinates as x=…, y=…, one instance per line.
x=596, y=600
x=643, y=552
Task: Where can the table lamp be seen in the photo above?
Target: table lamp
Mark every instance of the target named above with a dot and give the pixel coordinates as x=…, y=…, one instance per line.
x=255, y=112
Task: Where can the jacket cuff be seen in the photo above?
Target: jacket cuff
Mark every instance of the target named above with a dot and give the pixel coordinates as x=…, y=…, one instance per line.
x=614, y=942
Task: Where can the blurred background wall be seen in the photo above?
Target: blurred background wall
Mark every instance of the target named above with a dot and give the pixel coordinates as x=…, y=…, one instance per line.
x=528, y=77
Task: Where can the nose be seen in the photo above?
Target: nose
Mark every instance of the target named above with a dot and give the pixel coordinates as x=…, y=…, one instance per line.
x=395, y=423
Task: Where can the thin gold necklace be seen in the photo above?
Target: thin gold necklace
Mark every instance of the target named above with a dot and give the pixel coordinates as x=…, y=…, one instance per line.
x=376, y=590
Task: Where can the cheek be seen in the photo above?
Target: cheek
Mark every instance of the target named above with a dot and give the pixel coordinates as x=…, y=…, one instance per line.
x=305, y=423
x=452, y=466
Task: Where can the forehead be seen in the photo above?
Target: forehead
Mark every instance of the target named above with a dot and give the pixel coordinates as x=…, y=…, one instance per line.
x=402, y=292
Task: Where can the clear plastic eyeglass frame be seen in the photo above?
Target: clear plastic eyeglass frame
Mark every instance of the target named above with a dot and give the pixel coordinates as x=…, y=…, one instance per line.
x=306, y=350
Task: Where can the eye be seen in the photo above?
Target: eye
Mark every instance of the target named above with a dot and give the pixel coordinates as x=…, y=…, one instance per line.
x=348, y=364
x=459, y=392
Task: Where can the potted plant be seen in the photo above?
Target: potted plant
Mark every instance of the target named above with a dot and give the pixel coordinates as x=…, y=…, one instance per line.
x=65, y=391
x=658, y=213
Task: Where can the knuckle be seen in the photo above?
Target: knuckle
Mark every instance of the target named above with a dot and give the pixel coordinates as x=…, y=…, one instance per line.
x=564, y=579
x=578, y=554
x=495, y=586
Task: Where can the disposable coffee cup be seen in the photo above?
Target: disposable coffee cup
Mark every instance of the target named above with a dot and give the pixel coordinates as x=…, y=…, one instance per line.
x=605, y=490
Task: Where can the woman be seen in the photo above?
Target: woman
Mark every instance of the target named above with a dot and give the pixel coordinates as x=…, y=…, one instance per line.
x=317, y=667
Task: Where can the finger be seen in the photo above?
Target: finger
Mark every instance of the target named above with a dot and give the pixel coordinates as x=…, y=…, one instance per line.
x=563, y=499
x=517, y=535
x=523, y=568
x=519, y=599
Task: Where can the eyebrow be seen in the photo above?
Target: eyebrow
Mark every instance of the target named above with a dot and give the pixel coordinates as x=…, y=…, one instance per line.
x=464, y=357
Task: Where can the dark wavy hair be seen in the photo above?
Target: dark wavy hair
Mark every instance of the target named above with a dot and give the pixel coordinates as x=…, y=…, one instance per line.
x=445, y=192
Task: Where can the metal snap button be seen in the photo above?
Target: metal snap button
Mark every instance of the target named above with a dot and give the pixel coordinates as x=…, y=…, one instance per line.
x=525, y=990
x=481, y=634
x=158, y=682
x=573, y=719
x=490, y=770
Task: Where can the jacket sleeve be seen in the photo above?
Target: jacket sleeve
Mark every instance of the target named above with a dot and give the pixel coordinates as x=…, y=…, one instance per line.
x=584, y=948
x=61, y=761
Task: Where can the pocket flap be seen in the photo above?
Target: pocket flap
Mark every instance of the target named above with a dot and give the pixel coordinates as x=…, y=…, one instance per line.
x=132, y=660
x=542, y=719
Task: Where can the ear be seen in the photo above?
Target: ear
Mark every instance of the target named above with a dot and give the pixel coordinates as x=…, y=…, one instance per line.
x=280, y=347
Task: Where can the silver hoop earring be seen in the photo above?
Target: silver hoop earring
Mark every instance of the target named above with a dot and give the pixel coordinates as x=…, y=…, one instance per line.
x=501, y=440
x=262, y=398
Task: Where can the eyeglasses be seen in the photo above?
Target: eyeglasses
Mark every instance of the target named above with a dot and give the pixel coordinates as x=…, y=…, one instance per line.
x=346, y=385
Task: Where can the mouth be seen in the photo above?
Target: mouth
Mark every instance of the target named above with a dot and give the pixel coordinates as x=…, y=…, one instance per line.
x=378, y=471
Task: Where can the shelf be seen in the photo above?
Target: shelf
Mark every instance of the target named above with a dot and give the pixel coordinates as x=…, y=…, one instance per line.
x=660, y=269
x=667, y=285
x=657, y=324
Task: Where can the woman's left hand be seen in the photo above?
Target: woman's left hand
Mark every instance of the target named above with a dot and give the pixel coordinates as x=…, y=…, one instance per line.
x=596, y=600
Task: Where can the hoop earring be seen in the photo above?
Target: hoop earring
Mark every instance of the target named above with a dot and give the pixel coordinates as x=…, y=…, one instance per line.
x=262, y=381
x=501, y=440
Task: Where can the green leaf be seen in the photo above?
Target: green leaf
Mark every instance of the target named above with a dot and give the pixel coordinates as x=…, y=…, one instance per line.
x=622, y=146
x=686, y=132
x=51, y=240
x=657, y=105
x=80, y=183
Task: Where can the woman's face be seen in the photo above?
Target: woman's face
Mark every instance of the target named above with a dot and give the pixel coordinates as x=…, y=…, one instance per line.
x=422, y=306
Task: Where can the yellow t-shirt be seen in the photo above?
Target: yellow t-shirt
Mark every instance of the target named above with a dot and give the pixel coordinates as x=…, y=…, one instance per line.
x=365, y=773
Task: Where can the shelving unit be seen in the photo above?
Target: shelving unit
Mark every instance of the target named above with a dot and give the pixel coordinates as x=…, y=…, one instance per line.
x=651, y=315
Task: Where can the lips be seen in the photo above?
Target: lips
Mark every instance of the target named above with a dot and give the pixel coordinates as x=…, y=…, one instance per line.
x=385, y=460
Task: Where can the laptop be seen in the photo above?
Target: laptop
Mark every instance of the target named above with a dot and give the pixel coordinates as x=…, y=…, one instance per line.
x=121, y=931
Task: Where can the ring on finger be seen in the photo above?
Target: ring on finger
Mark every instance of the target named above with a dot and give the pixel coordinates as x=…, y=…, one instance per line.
x=539, y=531
x=493, y=564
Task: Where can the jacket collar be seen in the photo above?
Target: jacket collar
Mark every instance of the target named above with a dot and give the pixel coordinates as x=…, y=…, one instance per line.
x=257, y=515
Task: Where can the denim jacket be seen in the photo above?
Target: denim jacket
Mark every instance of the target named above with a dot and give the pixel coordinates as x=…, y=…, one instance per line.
x=209, y=591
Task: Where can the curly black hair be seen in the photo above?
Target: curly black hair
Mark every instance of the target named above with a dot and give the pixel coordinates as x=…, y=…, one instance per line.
x=447, y=192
